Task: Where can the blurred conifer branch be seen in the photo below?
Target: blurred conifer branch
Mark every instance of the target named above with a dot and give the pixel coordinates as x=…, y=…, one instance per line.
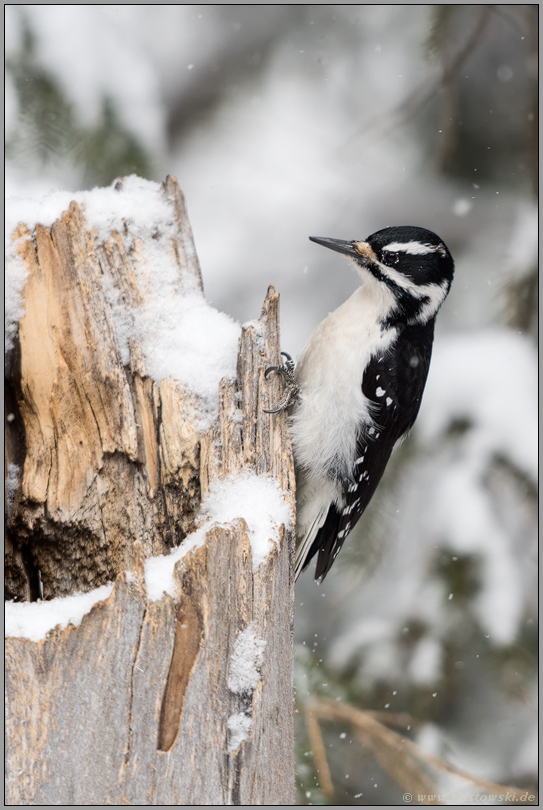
x=49, y=132
x=414, y=104
x=405, y=761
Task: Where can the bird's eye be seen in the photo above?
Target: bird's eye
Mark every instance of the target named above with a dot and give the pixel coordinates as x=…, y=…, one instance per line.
x=391, y=258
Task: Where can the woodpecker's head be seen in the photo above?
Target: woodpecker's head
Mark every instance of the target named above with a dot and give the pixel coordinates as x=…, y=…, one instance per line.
x=414, y=265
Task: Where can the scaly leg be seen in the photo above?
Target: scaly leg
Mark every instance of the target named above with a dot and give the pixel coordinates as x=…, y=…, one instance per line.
x=292, y=391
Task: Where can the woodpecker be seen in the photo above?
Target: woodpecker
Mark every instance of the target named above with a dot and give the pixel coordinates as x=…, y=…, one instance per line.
x=357, y=387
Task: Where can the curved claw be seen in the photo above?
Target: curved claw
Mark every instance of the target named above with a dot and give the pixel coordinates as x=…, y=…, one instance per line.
x=273, y=410
x=291, y=392
x=270, y=368
x=278, y=368
x=289, y=398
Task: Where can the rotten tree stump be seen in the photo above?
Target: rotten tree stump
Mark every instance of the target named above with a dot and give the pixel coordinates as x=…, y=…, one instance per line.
x=136, y=705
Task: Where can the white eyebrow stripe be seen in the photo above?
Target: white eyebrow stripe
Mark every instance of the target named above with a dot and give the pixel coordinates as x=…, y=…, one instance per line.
x=413, y=248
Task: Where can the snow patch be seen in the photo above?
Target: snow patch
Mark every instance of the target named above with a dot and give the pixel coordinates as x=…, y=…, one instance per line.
x=181, y=335
x=244, y=668
x=258, y=500
x=246, y=661
x=159, y=570
x=426, y=663
x=522, y=252
x=239, y=728
x=497, y=394
x=33, y=620
x=15, y=278
x=496, y=399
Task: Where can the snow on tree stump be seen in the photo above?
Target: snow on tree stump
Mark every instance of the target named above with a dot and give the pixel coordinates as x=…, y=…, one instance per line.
x=176, y=688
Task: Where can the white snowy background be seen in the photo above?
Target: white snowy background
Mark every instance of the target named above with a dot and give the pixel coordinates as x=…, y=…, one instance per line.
x=286, y=121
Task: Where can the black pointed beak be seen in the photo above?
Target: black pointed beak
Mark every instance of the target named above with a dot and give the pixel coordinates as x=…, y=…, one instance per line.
x=339, y=245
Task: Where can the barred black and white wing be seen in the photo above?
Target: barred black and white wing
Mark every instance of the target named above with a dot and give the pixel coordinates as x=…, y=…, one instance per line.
x=394, y=385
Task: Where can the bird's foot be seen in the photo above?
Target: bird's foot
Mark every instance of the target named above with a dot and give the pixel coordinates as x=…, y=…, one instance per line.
x=292, y=391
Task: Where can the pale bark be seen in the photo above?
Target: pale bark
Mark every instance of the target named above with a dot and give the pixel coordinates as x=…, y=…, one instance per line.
x=133, y=705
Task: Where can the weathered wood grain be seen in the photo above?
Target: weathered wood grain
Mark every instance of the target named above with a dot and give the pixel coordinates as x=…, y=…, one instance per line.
x=111, y=458
x=136, y=704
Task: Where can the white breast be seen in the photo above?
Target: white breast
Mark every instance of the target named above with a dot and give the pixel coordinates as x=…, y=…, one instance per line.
x=325, y=424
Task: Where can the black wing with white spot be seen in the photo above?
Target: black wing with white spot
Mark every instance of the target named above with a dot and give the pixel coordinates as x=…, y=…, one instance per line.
x=394, y=384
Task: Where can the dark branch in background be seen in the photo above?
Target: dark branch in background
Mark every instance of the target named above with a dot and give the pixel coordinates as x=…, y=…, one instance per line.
x=423, y=95
x=488, y=126
x=510, y=20
x=449, y=85
x=533, y=116
x=237, y=59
